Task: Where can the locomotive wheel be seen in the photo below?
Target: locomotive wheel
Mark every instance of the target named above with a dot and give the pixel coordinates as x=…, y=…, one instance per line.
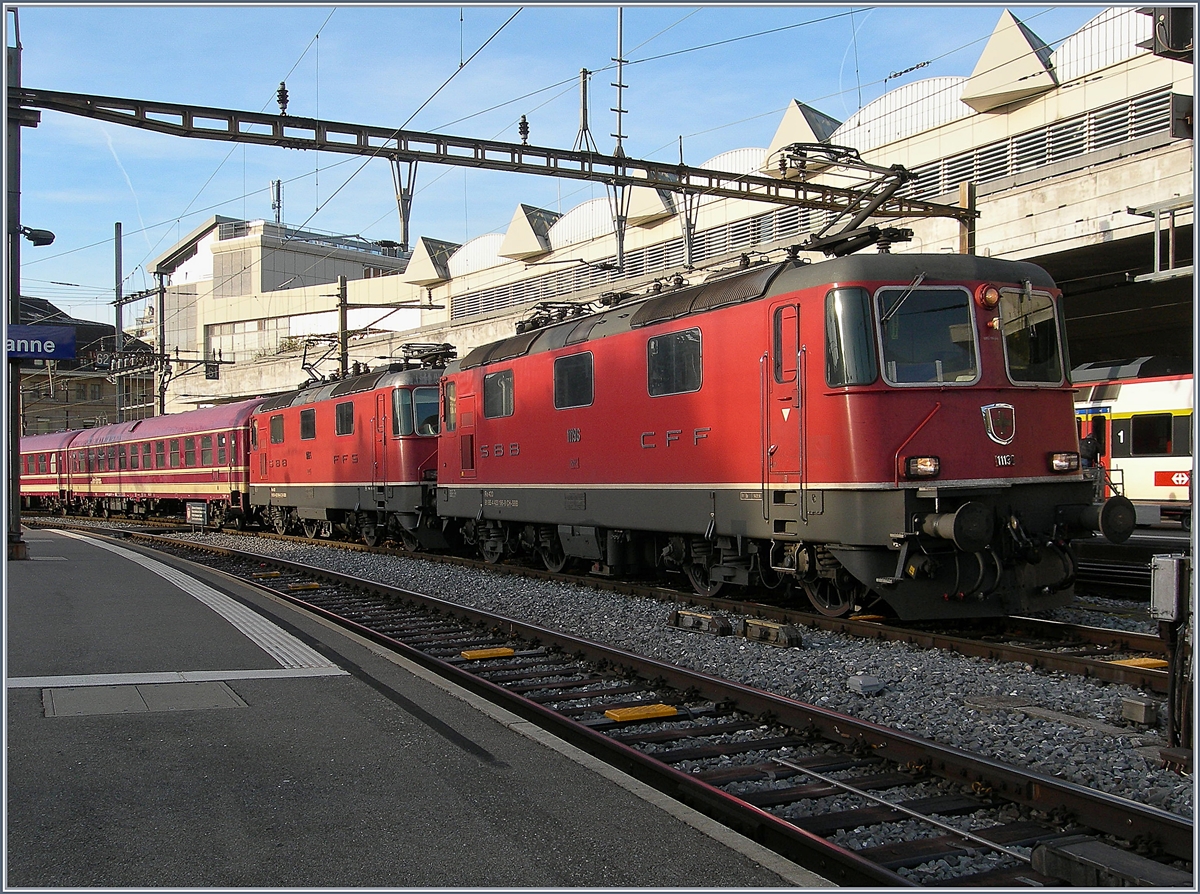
x=697, y=576
x=372, y=535
x=279, y=520
x=553, y=556
x=409, y=540
x=491, y=550
x=310, y=529
x=830, y=600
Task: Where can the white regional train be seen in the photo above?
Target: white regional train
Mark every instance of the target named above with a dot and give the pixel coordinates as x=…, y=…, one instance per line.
x=1140, y=414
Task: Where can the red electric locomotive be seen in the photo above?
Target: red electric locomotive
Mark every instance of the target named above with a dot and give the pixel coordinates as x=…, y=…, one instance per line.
x=873, y=427
x=45, y=472
x=155, y=466
x=356, y=455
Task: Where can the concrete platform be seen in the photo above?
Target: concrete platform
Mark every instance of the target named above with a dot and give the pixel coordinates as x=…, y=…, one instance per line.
x=180, y=729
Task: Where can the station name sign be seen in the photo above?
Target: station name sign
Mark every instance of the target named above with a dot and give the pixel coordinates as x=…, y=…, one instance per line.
x=41, y=342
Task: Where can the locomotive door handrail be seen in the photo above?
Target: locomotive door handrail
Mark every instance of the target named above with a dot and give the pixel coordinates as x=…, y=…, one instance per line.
x=763, y=432
x=896, y=459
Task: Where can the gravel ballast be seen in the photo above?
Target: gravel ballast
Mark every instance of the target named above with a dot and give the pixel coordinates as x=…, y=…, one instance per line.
x=979, y=705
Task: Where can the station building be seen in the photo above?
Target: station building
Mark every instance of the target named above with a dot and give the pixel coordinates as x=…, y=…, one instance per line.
x=1080, y=160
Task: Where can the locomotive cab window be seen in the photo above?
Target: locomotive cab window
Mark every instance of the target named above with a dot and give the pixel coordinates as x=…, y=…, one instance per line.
x=673, y=363
x=849, y=346
x=928, y=336
x=1029, y=321
x=308, y=424
x=449, y=405
x=415, y=411
x=498, y=394
x=573, y=381
x=277, y=429
x=343, y=415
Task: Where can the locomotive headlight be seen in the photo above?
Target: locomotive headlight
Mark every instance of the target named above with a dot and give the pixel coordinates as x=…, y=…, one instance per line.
x=987, y=295
x=1064, y=462
x=921, y=466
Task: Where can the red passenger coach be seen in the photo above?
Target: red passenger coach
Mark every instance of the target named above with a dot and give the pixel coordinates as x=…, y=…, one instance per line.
x=156, y=465
x=357, y=455
x=45, y=472
x=894, y=428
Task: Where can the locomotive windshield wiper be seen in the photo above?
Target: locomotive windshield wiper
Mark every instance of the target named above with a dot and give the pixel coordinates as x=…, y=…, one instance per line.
x=891, y=312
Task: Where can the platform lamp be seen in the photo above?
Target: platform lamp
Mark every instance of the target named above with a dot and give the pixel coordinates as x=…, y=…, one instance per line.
x=16, y=546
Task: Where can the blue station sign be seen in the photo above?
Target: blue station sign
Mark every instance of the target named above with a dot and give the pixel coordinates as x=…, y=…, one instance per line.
x=41, y=342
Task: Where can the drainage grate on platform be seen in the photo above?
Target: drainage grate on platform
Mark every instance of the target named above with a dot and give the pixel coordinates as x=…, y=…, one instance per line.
x=142, y=698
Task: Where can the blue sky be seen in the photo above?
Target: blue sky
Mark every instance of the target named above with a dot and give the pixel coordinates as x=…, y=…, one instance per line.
x=379, y=64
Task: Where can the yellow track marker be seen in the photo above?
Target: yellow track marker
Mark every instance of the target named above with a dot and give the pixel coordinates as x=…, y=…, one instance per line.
x=641, y=712
x=266, y=574
x=1142, y=662
x=477, y=654
x=313, y=585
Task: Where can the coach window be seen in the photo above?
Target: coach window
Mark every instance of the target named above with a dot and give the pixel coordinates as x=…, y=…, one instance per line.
x=1029, y=322
x=174, y=453
x=673, y=363
x=574, y=385
x=402, y=412
x=121, y=463
x=849, y=345
x=277, y=429
x=189, y=452
x=112, y=458
x=206, y=450
x=498, y=394
x=449, y=405
x=1151, y=434
x=146, y=455
x=928, y=335
x=343, y=418
x=160, y=454
x=133, y=456
x=221, y=448
x=308, y=424
x=42, y=463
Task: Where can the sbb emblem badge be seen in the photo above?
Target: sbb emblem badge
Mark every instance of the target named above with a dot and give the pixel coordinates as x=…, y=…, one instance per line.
x=1000, y=422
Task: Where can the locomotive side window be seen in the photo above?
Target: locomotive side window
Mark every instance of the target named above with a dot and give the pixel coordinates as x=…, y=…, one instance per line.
x=673, y=363
x=425, y=410
x=277, y=429
x=343, y=415
x=1150, y=434
x=308, y=424
x=450, y=405
x=573, y=381
x=928, y=336
x=849, y=347
x=253, y=437
x=206, y=450
x=498, y=394
x=785, y=328
x=1030, y=325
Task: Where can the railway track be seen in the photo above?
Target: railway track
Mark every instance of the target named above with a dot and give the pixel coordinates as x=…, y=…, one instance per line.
x=1114, y=656
x=793, y=776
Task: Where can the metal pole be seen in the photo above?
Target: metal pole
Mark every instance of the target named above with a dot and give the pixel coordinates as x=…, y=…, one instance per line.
x=118, y=334
x=343, y=335
x=17, y=549
x=163, y=360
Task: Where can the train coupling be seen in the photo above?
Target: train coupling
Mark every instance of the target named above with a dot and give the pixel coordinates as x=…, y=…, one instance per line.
x=1115, y=518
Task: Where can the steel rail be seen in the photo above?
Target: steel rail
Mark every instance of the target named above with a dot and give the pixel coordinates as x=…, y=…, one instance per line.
x=1100, y=811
